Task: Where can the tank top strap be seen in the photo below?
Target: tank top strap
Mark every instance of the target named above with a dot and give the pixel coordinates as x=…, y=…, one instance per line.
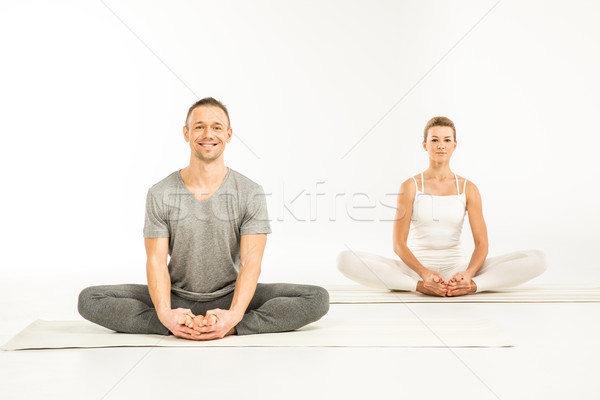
x=457, y=190
x=422, y=183
x=465, y=185
x=416, y=186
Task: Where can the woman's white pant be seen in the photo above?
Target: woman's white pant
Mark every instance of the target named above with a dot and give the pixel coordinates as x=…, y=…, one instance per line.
x=497, y=272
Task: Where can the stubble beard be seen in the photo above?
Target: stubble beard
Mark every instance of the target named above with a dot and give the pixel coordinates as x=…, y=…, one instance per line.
x=210, y=158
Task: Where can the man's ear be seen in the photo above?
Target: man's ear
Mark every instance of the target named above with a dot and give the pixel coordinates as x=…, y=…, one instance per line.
x=186, y=133
x=229, y=134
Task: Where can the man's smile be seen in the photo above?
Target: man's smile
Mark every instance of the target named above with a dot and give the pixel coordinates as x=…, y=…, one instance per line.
x=208, y=145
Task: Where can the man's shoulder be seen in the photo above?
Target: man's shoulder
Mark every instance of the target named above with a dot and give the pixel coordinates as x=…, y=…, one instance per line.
x=167, y=184
x=242, y=183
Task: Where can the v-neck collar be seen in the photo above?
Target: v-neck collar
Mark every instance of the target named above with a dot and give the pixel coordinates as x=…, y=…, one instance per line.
x=212, y=195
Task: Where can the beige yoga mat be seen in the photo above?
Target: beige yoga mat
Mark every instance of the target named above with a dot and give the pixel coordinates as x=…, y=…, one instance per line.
x=344, y=294
x=328, y=332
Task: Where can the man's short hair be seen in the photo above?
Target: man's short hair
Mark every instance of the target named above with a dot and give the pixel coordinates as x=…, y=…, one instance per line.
x=207, y=101
x=439, y=121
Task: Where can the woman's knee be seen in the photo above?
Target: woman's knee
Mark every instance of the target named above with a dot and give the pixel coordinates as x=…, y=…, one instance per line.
x=344, y=258
x=350, y=263
x=345, y=263
x=539, y=261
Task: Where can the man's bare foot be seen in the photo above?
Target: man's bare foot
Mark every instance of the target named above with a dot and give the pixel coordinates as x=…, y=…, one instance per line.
x=422, y=289
x=462, y=289
x=210, y=320
x=199, y=321
x=185, y=319
x=232, y=331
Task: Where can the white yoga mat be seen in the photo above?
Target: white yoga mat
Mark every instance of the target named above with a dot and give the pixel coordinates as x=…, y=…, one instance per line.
x=328, y=332
x=345, y=294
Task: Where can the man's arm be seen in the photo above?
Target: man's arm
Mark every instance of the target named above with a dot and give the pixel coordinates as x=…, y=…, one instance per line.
x=252, y=248
x=159, y=286
x=251, y=252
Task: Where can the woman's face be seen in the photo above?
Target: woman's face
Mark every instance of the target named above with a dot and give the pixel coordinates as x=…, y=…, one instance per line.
x=440, y=143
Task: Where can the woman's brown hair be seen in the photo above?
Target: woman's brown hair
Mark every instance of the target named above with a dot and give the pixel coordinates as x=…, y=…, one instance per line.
x=439, y=121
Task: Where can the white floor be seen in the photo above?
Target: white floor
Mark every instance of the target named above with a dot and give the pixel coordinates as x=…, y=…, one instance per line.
x=556, y=354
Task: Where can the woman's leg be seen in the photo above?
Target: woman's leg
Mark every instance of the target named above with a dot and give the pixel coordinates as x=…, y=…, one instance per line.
x=510, y=269
x=376, y=271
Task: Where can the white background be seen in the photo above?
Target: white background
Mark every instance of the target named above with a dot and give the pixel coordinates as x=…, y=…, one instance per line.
x=94, y=96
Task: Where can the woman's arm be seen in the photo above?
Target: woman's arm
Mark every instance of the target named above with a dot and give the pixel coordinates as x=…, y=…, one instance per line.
x=478, y=228
x=406, y=195
x=431, y=280
x=461, y=283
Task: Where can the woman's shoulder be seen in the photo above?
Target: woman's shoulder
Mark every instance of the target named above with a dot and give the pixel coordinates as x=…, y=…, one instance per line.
x=469, y=188
x=465, y=184
x=408, y=186
x=462, y=181
x=411, y=181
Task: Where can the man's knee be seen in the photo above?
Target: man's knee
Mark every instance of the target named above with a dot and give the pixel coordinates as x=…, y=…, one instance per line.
x=85, y=300
x=320, y=298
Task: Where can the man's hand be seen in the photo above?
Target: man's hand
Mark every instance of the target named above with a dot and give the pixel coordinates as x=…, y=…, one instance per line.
x=432, y=284
x=180, y=322
x=461, y=283
x=217, y=324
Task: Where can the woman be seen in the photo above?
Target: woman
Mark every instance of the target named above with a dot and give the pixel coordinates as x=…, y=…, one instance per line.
x=433, y=261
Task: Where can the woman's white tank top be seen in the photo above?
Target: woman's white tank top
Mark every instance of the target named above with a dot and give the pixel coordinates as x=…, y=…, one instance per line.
x=436, y=227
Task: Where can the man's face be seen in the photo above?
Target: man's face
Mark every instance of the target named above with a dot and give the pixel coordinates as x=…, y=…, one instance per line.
x=207, y=132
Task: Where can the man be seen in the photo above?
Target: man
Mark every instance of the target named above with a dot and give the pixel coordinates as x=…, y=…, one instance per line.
x=213, y=222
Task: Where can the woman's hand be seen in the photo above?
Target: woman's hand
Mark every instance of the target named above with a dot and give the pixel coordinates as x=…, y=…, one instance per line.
x=432, y=284
x=461, y=283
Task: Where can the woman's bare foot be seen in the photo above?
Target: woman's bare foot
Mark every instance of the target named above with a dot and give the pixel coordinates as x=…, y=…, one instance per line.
x=422, y=289
x=461, y=289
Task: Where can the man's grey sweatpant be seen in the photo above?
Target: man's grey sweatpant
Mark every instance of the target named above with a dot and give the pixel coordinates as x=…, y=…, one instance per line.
x=275, y=307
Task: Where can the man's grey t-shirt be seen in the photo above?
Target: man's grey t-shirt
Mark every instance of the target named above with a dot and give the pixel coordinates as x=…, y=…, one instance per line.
x=204, y=236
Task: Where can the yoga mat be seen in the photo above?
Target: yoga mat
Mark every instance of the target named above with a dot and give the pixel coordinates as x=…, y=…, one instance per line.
x=346, y=294
x=328, y=332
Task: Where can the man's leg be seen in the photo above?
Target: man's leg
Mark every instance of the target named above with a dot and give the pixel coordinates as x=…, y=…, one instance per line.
x=275, y=307
x=124, y=308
